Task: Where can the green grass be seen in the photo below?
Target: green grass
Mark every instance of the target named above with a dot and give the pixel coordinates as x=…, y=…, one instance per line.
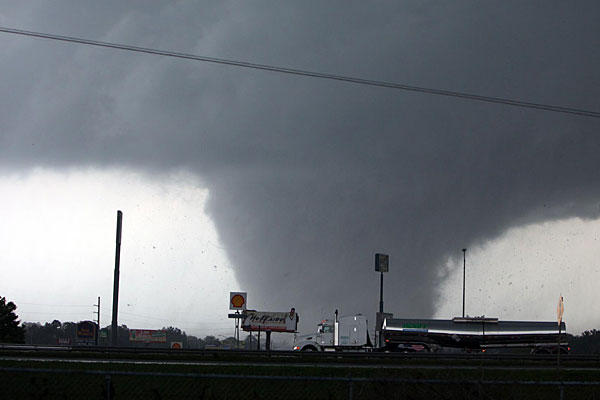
x=88, y=379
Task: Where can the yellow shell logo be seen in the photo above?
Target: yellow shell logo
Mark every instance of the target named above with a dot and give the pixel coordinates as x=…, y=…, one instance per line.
x=237, y=300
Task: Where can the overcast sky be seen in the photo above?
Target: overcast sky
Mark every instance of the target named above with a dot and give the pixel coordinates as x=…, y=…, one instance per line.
x=286, y=186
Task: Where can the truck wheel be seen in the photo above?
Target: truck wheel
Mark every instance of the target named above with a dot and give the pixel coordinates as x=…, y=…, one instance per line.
x=308, y=348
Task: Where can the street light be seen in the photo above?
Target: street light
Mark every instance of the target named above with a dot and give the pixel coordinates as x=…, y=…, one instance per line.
x=464, y=274
x=382, y=264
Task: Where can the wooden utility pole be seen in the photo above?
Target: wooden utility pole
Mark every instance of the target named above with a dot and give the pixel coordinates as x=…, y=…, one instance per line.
x=115, y=310
x=98, y=320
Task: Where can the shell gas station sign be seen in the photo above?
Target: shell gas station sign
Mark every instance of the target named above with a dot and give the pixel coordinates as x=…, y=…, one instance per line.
x=237, y=300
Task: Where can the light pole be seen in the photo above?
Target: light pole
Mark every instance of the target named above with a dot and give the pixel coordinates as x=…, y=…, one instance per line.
x=382, y=264
x=464, y=275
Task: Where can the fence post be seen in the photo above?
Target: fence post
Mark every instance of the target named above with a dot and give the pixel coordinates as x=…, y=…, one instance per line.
x=108, y=387
x=562, y=391
x=350, y=388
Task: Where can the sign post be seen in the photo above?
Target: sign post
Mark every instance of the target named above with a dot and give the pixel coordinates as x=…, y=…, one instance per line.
x=560, y=309
x=237, y=302
x=382, y=264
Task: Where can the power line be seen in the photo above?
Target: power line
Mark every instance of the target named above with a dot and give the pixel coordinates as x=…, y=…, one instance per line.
x=130, y=315
x=313, y=74
x=54, y=305
x=48, y=313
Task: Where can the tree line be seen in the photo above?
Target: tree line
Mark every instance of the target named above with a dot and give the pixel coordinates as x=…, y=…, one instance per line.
x=56, y=332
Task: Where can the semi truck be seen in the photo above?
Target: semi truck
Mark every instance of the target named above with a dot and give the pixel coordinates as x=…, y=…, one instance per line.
x=350, y=333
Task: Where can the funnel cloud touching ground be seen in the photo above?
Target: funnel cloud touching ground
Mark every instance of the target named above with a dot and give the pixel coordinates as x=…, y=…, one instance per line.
x=308, y=178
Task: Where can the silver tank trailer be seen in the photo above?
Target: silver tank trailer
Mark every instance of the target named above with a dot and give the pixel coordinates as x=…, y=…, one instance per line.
x=473, y=333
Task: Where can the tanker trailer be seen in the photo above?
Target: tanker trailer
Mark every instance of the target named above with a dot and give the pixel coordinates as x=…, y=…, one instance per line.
x=477, y=333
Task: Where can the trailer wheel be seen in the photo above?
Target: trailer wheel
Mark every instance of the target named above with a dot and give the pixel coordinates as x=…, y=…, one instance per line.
x=309, y=348
x=391, y=348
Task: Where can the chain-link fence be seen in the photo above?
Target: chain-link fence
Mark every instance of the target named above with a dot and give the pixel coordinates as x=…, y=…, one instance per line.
x=27, y=383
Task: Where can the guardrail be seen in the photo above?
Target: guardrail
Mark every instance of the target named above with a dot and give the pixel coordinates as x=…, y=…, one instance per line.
x=294, y=355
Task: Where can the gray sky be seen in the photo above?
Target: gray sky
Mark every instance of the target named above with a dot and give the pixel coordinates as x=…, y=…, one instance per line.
x=296, y=181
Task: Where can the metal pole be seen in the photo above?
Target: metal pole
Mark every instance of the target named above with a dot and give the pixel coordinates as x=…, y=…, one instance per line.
x=108, y=387
x=558, y=349
x=268, y=342
x=237, y=333
x=115, y=309
x=350, y=391
x=464, y=276
x=562, y=392
x=381, y=293
x=378, y=337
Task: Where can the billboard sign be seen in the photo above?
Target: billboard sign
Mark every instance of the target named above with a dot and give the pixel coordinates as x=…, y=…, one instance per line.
x=270, y=321
x=382, y=262
x=237, y=300
x=86, y=331
x=147, y=336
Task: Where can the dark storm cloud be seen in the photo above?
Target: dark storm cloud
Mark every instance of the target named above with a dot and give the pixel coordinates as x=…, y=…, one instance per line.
x=309, y=178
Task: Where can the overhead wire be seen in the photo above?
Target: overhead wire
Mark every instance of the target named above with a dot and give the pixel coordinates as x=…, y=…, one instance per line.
x=307, y=73
x=104, y=311
x=54, y=305
x=132, y=317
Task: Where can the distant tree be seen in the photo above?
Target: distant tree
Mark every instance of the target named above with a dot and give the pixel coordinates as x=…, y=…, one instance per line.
x=173, y=331
x=33, y=332
x=10, y=329
x=200, y=343
x=51, y=332
x=36, y=333
x=211, y=341
x=587, y=343
x=193, y=342
x=69, y=331
x=229, y=342
x=250, y=342
x=122, y=336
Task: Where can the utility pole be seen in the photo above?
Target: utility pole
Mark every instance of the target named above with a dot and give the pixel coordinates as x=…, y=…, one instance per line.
x=464, y=275
x=98, y=320
x=115, y=310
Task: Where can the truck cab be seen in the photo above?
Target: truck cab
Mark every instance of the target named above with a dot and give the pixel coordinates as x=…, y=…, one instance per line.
x=345, y=333
x=317, y=341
